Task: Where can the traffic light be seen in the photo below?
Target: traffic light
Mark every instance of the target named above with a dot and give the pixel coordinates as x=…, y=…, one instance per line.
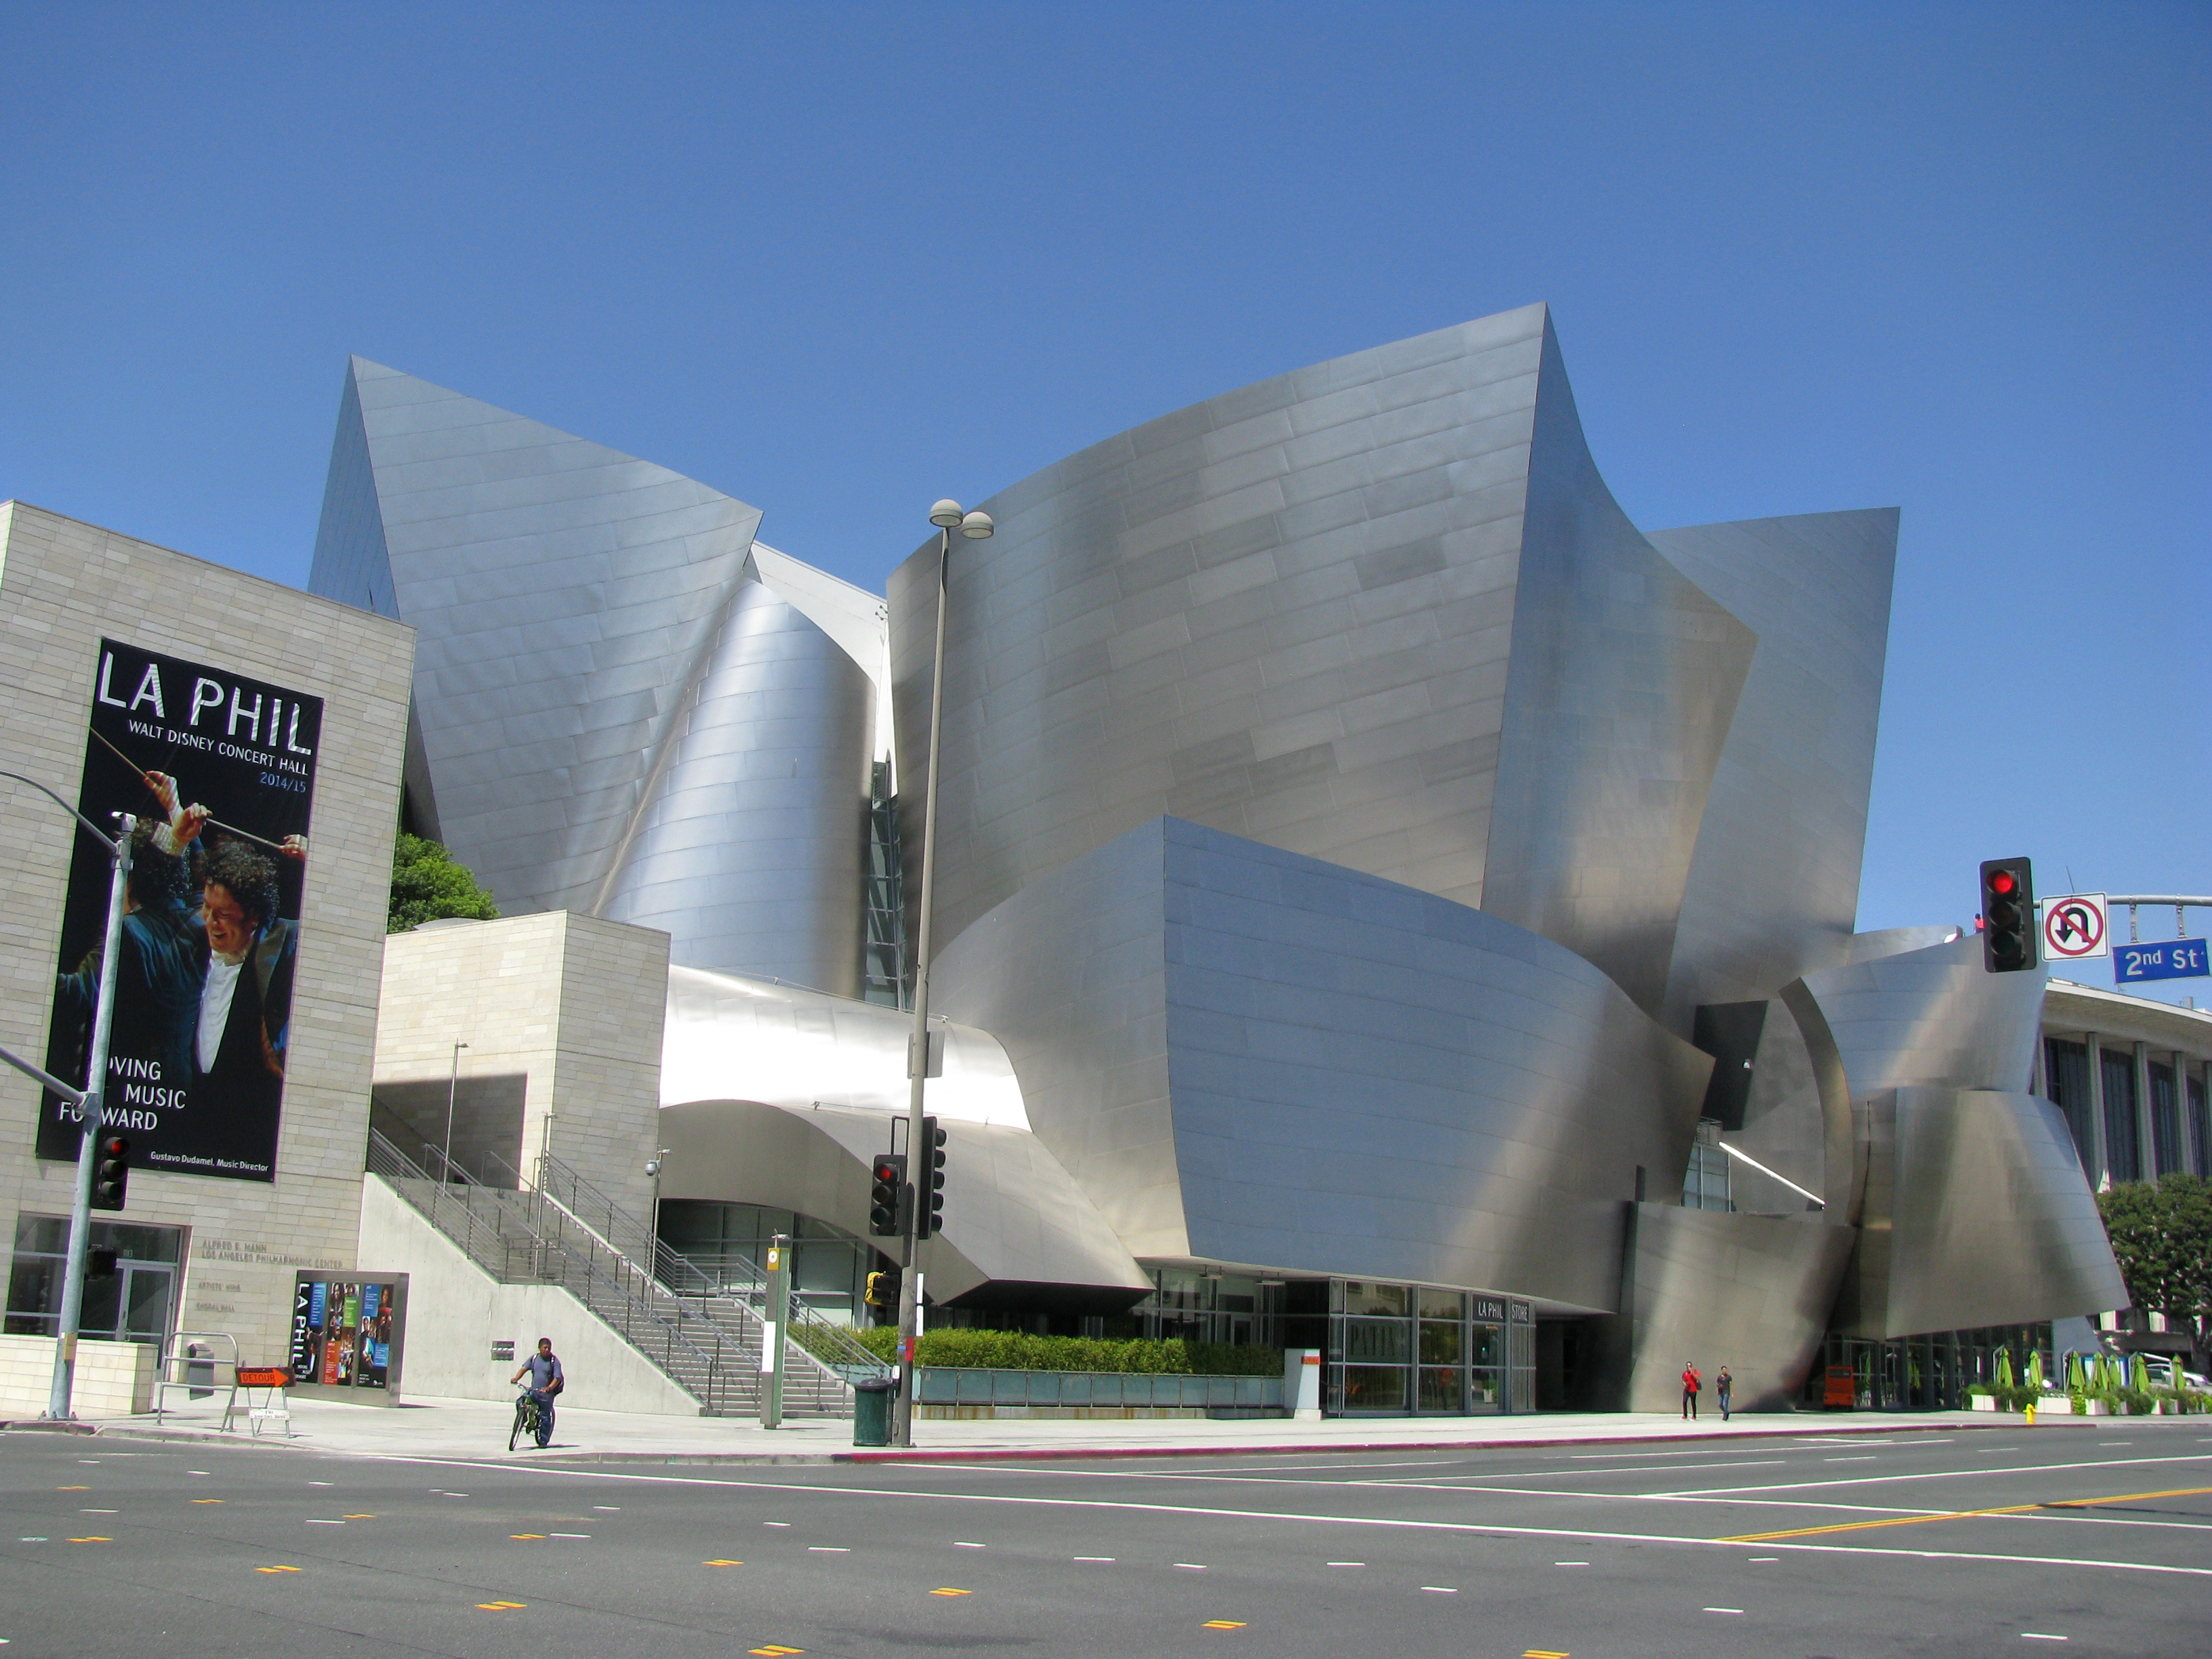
x=883, y=1288
x=111, y=1175
x=929, y=1182
x=887, y=1195
x=2007, y=916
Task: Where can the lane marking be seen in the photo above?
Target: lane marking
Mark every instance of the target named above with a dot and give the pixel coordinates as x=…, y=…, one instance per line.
x=1212, y=1511
x=314, y=1522
x=571, y=1534
x=721, y=1564
x=828, y=1549
x=207, y=1500
x=1869, y=1458
x=961, y=1544
x=1967, y=1514
x=613, y=1509
x=1544, y=1653
x=502, y=1606
x=525, y=1534
x=1738, y=1611
x=72, y=1489
x=951, y=1592
x=2038, y=1635
x=275, y=1569
x=1348, y=1563
x=1570, y=1564
x=99, y=1511
x=100, y=1540
x=1091, y=1558
x=772, y=1648
x=1192, y=1567
x=1440, y=1590
x=1223, y=1623
x=1936, y=1475
x=350, y=1517
x=778, y=1523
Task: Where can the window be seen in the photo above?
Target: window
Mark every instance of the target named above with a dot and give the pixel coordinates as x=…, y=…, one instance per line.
x=1706, y=1185
x=2066, y=1075
x=2123, y=1154
x=132, y=1304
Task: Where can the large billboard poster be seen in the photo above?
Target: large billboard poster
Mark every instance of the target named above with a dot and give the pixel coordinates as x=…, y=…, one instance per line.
x=220, y=771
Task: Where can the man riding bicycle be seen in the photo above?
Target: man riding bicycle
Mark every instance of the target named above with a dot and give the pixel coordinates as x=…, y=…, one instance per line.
x=546, y=1380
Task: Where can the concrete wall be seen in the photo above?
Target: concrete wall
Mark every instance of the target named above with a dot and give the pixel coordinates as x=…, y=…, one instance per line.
x=575, y=1005
x=113, y=1379
x=456, y=1312
x=63, y=586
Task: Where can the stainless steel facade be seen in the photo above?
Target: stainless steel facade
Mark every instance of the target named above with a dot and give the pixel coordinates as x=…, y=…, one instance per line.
x=1248, y=1056
x=1349, y=819
x=1382, y=611
x=625, y=705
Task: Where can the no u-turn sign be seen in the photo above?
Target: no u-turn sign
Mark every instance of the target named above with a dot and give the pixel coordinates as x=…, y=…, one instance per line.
x=2074, y=928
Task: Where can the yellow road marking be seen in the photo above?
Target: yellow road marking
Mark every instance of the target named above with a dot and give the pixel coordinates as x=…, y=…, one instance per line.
x=350, y=1517
x=207, y=1500
x=1964, y=1514
x=502, y=1606
x=72, y=1489
x=1544, y=1653
x=275, y=1569
x=92, y=1540
x=525, y=1534
x=1223, y=1623
x=721, y=1564
x=772, y=1649
x=951, y=1592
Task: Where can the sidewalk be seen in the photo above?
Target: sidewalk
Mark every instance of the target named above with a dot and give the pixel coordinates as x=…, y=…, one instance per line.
x=476, y=1431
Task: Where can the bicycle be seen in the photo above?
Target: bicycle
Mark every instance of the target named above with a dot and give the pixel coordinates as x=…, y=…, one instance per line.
x=526, y=1422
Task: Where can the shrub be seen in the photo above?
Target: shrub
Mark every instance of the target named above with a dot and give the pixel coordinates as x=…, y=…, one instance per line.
x=1019, y=1351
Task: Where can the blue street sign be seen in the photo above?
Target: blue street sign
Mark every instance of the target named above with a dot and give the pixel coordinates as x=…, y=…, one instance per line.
x=2174, y=958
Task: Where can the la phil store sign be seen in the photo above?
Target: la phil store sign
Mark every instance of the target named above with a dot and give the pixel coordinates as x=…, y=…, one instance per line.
x=222, y=769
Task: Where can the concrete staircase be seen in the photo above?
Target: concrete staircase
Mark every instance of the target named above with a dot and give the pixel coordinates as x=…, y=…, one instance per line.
x=703, y=1334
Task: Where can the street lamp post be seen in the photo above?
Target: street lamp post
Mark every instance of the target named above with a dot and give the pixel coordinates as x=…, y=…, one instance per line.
x=973, y=527
x=87, y=1102
x=453, y=1086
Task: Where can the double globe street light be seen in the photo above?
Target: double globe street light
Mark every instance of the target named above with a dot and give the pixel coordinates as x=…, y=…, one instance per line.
x=947, y=516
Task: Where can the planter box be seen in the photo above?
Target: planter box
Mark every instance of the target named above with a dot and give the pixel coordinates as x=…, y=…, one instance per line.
x=1981, y=1402
x=2095, y=1408
x=2054, y=1406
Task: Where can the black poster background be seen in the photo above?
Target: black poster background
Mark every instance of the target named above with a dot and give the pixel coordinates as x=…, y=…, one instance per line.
x=246, y=750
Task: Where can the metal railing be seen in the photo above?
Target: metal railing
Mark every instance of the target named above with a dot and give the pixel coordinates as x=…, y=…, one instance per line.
x=947, y=1385
x=623, y=1231
x=504, y=1231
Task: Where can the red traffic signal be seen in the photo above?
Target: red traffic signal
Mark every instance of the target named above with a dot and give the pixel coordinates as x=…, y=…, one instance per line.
x=2008, y=941
x=111, y=1173
x=887, y=1195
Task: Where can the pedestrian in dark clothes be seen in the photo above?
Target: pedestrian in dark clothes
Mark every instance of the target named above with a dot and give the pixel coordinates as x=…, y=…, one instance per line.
x=1724, y=1391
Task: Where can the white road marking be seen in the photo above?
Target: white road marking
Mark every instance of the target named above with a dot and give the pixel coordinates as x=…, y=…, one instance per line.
x=1391, y=1522
x=1440, y=1590
x=1192, y=1567
x=1091, y=1558
x=568, y=1535
x=2038, y=1635
x=1735, y=1610
x=958, y=1545
x=828, y=1549
x=615, y=1509
x=1570, y=1564
x=1761, y=1560
x=775, y=1523
x=1941, y=1474
x=1348, y=1563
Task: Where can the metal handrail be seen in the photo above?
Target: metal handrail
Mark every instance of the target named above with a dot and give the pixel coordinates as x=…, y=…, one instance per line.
x=456, y=1205
x=171, y=1353
x=684, y=1277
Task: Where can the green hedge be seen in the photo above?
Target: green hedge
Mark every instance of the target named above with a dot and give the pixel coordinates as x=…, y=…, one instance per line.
x=1017, y=1351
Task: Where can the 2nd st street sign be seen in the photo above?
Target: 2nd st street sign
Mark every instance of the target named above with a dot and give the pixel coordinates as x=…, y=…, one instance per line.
x=2172, y=958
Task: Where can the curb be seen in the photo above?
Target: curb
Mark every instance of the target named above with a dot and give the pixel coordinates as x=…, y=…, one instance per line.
x=1002, y=1454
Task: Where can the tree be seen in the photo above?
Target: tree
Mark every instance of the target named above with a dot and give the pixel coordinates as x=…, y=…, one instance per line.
x=427, y=883
x=2162, y=1234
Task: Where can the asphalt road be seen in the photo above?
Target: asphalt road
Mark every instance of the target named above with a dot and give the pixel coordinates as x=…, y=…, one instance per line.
x=2091, y=1540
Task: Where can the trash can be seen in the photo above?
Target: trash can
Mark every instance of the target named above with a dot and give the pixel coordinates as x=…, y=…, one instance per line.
x=871, y=1412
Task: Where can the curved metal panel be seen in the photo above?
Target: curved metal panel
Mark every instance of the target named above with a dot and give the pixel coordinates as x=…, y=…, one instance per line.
x=1748, y=1292
x=1931, y=1015
x=1308, y=613
x=747, y=854
x=600, y=674
x=1773, y=887
x=1976, y=1213
x=1011, y=1216
x=731, y=1038
x=1250, y=1056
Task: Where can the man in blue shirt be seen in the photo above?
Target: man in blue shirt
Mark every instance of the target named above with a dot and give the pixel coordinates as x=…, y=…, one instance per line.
x=546, y=1380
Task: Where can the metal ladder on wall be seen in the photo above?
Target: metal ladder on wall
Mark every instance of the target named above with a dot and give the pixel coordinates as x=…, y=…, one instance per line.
x=705, y=1336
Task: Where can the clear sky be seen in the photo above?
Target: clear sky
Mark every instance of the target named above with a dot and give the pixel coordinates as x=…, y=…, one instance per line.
x=839, y=260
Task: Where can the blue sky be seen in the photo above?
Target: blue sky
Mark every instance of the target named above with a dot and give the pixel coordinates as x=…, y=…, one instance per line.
x=839, y=260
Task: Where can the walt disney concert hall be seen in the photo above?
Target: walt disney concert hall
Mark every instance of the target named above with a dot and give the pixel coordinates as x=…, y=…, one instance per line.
x=1387, y=902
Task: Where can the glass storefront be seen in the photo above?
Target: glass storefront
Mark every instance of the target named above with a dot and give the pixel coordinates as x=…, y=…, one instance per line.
x=831, y=1266
x=1401, y=1350
x=136, y=1303
x=1926, y=1373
